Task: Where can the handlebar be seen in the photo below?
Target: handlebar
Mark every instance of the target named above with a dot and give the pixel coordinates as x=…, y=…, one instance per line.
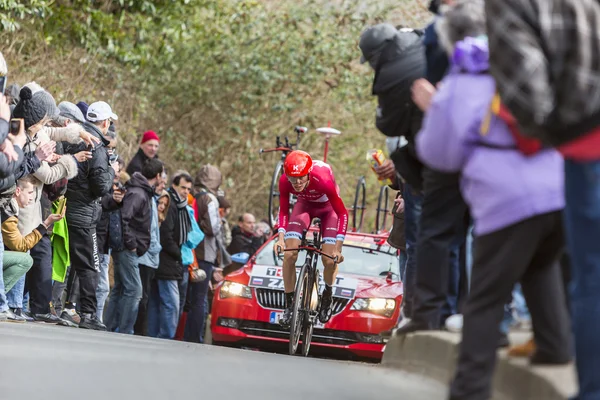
x=274, y=149
x=314, y=250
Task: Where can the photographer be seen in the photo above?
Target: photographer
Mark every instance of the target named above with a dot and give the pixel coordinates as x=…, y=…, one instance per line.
x=84, y=193
x=11, y=157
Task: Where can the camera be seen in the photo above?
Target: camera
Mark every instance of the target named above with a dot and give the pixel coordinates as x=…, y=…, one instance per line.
x=15, y=126
x=112, y=156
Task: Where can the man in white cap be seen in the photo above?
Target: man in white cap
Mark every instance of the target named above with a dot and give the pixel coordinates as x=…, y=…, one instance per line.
x=83, y=195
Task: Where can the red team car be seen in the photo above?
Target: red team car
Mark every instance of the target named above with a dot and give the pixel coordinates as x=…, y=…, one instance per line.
x=247, y=305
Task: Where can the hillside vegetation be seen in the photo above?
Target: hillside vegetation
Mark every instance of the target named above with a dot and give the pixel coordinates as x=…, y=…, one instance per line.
x=217, y=79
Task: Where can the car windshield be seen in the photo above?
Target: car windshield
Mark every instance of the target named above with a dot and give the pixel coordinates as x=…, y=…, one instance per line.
x=365, y=260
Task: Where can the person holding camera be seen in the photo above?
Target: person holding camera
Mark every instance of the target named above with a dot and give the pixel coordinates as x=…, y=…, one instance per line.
x=11, y=158
x=84, y=192
x=36, y=107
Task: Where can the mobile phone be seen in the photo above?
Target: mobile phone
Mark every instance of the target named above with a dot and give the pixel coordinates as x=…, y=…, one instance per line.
x=15, y=126
x=61, y=207
x=3, y=80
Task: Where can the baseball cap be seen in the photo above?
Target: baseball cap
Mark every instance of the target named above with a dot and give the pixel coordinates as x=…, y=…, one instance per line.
x=372, y=39
x=100, y=111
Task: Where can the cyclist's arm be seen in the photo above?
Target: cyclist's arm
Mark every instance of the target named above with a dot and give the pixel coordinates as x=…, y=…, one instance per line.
x=284, y=205
x=340, y=209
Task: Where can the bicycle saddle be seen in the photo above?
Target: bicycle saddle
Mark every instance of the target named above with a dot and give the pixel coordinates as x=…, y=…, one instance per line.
x=328, y=131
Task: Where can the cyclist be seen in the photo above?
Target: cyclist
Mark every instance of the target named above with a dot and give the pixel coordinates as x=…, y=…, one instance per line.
x=313, y=184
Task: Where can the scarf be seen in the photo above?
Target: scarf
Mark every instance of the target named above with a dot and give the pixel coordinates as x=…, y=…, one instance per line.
x=185, y=223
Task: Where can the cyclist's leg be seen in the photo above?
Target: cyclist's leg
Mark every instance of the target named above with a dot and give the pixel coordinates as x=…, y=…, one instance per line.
x=289, y=263
x=299, y=220
x=329, y=221
x=329, y=233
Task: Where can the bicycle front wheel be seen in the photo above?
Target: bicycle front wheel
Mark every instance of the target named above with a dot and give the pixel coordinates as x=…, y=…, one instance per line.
x=298, y=309
x=307, y=332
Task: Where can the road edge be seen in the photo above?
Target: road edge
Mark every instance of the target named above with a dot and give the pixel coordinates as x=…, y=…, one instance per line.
x=434, y=354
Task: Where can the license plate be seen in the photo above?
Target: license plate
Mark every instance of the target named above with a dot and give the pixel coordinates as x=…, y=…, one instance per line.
x=274, y=317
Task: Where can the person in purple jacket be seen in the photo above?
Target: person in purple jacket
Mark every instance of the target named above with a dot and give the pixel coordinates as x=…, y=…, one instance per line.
x=515, y=201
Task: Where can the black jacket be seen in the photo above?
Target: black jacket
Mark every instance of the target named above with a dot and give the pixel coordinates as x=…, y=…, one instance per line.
x=243, y=243
x=136, y=214
x=137, y=162
x=170, y=267
x=94, y=180
x=401, y=63
x=109, y=205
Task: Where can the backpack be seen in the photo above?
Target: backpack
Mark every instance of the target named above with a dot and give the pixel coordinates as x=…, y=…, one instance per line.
x=526, y=146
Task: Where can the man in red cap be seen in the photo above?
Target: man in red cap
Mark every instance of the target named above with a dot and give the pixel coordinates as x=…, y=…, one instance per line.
x=148, y=149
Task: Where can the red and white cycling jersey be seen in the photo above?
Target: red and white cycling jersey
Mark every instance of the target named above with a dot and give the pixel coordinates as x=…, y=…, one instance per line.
x=320, y=195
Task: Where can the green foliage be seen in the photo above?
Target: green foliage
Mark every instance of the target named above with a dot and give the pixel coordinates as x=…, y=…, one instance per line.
x=218, y=79
x=12, y=12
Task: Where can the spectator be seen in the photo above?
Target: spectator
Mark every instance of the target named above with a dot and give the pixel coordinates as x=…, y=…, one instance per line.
x=244, y=238
x=224, y=210
x=148, y=150
x=398, y=59
x=163, y=204
x=136, y=217
x=16, y=260
x=35, y=106
x=516, y=201
x=546, y=80
x=71, y=114
x=208, y=252
x=83, y=107
x=12, y=95
x=84, y=193
x=149, y=262
x=109, y=230
x=163, y=308
x=444, y=220
x=11, y=158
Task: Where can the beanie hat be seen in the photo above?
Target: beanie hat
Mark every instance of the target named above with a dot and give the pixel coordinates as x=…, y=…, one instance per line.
x=71, y=111
x=83, y=106
x=34, y=105
x=150, y=135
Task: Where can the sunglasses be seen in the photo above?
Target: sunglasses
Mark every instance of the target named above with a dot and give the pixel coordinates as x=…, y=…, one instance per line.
x=294, y=180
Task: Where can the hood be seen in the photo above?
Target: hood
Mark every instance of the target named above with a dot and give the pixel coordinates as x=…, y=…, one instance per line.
x=402, y=61
x=138, y=180
x=471, y=55
x=401, y=43
x=209, y=177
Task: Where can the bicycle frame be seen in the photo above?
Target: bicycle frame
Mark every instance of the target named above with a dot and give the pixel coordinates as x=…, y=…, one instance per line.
x=305, y=311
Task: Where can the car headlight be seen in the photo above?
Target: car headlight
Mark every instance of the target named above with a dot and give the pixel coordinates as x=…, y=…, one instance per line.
x=234, y=289
x=376, y=305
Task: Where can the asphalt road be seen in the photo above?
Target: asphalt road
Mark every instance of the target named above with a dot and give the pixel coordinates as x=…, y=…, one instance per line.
x=49, y=362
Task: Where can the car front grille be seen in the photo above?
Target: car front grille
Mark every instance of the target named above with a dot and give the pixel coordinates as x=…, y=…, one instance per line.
x=275, y=300
x=327, y=336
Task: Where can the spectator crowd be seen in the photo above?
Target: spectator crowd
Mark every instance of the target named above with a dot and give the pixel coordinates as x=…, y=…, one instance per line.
x=492, y=131
x=89, y=243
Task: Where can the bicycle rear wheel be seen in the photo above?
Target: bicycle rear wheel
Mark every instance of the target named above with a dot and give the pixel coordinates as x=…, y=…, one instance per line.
x=383, y=210
x=274, y=195
x=297, y=322
x=358, y=208
x=308, y=325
